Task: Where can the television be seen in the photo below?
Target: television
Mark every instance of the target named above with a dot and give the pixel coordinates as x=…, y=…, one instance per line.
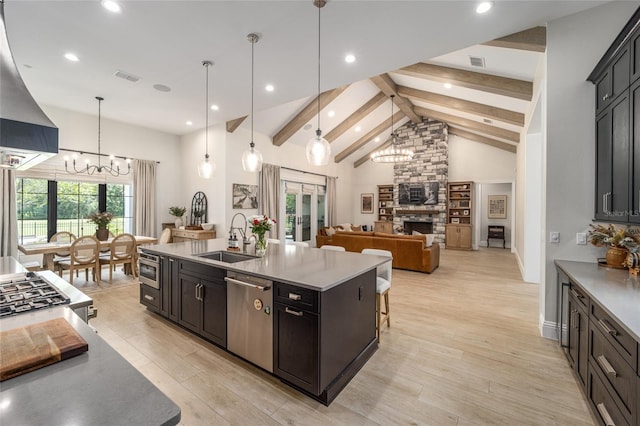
x=418, y=194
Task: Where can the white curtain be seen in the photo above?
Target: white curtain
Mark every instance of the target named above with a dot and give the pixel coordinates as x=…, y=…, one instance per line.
x=9, y=221
x=332, y=209
x=144, y=197
x=270, y=193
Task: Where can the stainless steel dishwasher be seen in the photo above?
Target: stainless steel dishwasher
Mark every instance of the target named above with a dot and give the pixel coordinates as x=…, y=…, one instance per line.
x=249, y=320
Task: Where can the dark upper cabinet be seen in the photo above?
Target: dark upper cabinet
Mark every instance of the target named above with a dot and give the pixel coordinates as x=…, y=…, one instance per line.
x=634, y=197
x=614, y=81
x=603, y=165
x=634, y=51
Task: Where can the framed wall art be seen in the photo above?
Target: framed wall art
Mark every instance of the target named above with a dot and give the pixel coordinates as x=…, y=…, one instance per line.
x=366, y=203
x=245, y=196
x=497, y=207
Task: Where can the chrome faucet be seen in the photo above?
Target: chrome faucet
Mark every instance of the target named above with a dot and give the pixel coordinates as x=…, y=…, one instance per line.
x=243, y=231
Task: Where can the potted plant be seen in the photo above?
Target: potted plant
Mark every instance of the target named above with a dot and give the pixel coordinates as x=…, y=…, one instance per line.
x=178, y=212
x=619, y=241
x=101, y=219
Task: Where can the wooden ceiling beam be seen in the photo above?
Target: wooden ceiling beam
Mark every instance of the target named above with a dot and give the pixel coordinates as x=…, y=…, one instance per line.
x=307, y=113
x=534, y=39
x=356, y=117
x=389, y=87
x=367, y=138
x=483, y=110
x=469, y=124
x=232, y=125
x=504, y=86
x=482, y=139
x=360, y=161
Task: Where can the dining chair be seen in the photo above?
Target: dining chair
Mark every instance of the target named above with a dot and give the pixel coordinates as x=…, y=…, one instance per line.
x=299, y=243
x=332, y=248
x=383, y=285
x=61, y=237
x=122, y=251
x=83, y=254
x=165, y=236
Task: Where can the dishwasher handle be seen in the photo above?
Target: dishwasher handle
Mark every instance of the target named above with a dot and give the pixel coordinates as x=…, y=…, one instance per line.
x=246, y=284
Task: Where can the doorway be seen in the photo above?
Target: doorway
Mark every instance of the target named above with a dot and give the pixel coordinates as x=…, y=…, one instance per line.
x=304, y=207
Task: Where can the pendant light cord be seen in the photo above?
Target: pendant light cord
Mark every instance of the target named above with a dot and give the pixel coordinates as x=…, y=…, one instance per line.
x=99, y=120
x=319, y=7
x=206, y=120
x=252, y=85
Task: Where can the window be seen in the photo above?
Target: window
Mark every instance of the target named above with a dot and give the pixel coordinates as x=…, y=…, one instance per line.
x=46, y=207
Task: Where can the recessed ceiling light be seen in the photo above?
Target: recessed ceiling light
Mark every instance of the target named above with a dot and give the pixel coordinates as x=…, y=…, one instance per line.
x=377, y=139
x=307, y=126
x=350, y=58
x=331, y=113
x=111, y=6
x=162, y=88
x=71, y=57
x=358, y=128
x=484, y=7
x=448, y=85
x=215, y=107
x=27, y=66
x=189, y=123
x=269, y=88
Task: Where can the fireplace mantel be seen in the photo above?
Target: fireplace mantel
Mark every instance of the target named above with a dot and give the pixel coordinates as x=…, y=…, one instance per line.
x=416, y=212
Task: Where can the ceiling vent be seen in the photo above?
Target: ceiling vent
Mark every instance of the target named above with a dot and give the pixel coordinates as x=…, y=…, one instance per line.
x=476, y=61
x=129, y=77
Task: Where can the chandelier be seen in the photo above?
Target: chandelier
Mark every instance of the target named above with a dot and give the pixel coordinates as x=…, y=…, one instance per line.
x=392, y=154
x=89, y=169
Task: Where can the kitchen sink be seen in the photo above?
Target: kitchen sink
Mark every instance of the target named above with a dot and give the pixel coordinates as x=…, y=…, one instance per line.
x=225, y=256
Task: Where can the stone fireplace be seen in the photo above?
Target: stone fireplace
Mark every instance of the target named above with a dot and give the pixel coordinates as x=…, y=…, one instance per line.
x=429, y=168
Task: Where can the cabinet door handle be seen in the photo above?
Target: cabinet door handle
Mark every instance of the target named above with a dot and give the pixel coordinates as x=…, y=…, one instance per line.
x=607, y=327
x=608, y=421
x=576, y=294
x=605, y=97
x=294, y=296
x=146, y=296
x=606, y=366
x=292, y=312
x=604, y=203
x=199, y=292
x=171, y=259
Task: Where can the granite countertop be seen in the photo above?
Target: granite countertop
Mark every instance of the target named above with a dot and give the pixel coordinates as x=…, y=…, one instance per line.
x=615, y=290
x=98, y=387
x=311, y=268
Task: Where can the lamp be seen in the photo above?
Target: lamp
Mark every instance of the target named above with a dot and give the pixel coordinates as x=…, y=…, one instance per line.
x=318, y=149
x=251, y=158
x=89, y=169
x=392, y=154
x=206, y=167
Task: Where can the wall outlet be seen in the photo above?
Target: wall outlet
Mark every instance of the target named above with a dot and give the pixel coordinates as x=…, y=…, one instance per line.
x=581, y=238
x=554, y=237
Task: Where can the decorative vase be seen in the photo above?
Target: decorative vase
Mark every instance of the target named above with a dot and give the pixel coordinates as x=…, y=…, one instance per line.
x=178, y=222
x=102, y=234
x=261, y=245
x=616, y=257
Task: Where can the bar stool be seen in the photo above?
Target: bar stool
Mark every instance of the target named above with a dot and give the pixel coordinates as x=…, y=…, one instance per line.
x=383, y=285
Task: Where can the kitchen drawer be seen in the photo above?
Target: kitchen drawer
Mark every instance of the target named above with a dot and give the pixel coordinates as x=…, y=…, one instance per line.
x=150, y=297
x=605, y=407
x=619, y=338
x=620, y=375
x=299, y=297
x=204, y=271
x=580, y=296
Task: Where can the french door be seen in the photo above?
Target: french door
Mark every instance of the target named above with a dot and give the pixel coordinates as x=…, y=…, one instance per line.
x=304, y=207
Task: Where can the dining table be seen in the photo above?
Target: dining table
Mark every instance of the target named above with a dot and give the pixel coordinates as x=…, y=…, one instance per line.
x=49, y=250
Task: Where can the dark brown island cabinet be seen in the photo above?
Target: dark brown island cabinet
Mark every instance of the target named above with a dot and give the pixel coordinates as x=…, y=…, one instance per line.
x=320, y=338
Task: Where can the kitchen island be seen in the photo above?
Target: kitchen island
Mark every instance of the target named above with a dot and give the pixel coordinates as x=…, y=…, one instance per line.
x=315, y=309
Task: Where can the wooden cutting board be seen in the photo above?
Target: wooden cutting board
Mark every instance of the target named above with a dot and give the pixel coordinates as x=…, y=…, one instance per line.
x=35, y=346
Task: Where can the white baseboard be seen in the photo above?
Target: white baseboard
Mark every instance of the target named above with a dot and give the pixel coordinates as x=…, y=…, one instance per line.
x=549, y=330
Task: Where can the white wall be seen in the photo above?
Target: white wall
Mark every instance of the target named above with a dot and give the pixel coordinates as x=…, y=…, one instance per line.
x=470, y=160
x=80, y=132
x=574, y=45
x=483, y=204
x=366, y=179
x=226, y=150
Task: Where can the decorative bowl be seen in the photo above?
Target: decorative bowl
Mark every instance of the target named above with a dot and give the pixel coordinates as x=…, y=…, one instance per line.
x=207, y=226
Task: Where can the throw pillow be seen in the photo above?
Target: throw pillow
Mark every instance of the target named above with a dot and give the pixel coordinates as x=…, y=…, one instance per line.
x=416, y=233
x=430, y=238
x=330, y=231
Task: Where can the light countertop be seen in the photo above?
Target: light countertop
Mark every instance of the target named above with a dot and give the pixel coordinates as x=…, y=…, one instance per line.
x=311, y=268
x=98, y=387
x=615, y=290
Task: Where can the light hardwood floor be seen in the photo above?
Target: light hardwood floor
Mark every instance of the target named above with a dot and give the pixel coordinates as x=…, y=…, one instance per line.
x=463, y=349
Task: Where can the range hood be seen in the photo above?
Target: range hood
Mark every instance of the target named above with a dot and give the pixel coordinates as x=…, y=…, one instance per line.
x=27, y=136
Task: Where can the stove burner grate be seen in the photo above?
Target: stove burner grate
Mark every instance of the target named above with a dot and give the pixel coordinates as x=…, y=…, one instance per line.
x=27, y=293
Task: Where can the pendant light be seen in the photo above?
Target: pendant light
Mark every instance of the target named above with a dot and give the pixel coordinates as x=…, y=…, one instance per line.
x=392, y=154
x=318, y=149
x=251, y=158
x=206, y=167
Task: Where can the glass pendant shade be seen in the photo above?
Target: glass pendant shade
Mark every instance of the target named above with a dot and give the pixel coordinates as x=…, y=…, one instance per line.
x=252, y=160
x=318, y=150
x=206, y=168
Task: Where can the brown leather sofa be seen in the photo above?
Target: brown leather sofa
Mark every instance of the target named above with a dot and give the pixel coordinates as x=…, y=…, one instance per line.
x=409, y=251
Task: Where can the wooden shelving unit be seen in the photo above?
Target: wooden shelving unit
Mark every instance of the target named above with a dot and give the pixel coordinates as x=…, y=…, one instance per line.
x=459, y=225
x=385, y=202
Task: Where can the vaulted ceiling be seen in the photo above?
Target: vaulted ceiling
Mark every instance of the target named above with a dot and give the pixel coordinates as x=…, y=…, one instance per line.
x=408, y=48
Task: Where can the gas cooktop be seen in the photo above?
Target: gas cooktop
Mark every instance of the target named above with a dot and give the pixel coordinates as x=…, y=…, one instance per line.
x=27, y=292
